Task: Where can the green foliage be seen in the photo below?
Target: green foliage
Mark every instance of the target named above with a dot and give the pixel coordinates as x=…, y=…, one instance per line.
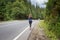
x=52, y=17
x=50, y=34
x=18, y=9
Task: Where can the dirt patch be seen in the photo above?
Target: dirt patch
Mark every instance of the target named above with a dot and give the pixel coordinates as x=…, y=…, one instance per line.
x=37, y=34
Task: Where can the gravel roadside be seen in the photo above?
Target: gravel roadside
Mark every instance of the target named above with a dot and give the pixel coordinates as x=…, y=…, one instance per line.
x=37, y=34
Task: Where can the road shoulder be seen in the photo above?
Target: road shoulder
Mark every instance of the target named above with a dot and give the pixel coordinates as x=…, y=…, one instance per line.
x=26, y=34
x=37, y=34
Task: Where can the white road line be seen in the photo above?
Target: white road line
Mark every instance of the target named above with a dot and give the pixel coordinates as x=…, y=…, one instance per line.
x=20, y=34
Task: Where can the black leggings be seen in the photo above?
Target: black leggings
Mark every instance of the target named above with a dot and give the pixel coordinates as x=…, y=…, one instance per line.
x=30, y=22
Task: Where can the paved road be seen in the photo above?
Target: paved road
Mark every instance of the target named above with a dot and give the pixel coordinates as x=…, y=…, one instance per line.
x=10, y=30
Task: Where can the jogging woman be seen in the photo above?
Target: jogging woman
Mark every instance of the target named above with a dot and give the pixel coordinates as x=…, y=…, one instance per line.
x=30, y=20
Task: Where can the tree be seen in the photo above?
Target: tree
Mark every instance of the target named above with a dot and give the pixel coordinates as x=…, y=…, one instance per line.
x=17, y=9
x=52, y=16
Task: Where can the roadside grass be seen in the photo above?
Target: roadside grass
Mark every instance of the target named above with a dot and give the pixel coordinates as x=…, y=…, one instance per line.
x=50, y=35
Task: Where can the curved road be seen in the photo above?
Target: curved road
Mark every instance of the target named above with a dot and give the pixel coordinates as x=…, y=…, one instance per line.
x=9, y=30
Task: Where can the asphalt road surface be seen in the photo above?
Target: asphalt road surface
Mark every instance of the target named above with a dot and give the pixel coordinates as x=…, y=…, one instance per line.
x=9, y=30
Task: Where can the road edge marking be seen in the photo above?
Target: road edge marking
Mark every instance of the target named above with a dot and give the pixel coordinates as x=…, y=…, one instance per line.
x=20, y=34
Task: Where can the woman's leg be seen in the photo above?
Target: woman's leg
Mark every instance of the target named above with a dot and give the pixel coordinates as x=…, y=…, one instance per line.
x=30, y=24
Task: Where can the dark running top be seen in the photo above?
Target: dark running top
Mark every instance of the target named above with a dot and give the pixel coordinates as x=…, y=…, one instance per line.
x=30, y=19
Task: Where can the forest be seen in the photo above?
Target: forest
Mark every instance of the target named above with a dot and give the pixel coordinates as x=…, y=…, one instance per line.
x=18, y=9
x=52, y=19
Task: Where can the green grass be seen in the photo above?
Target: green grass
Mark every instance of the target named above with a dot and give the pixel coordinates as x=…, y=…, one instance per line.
x=48, y=33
